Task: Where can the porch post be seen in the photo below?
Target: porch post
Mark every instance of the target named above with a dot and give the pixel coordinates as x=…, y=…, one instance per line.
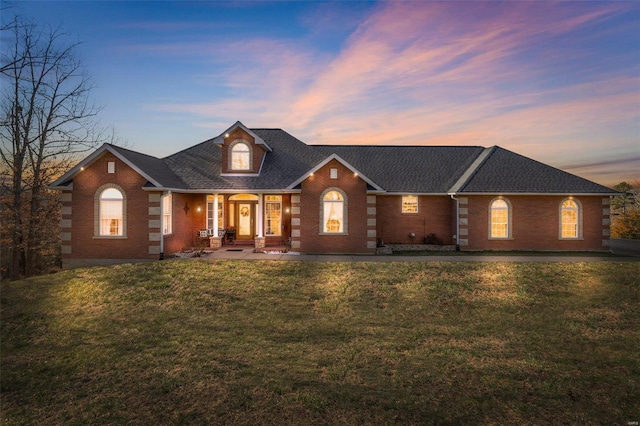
x=215, y=214
x=260, y=215
x=215, y=241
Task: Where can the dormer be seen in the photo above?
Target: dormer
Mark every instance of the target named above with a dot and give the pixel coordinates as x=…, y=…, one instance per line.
x=243, y=152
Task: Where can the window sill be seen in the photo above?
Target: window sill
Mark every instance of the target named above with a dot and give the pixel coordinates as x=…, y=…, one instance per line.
x=500, y=238
x=109, y=237
x=333, y=233
x=571, y=239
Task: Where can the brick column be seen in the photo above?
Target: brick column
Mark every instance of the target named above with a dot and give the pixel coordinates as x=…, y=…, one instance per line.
x=371, y=222
x=155, y=223
x=463, y=226
x=65, y=223
x=295, y=222
x=606, y=221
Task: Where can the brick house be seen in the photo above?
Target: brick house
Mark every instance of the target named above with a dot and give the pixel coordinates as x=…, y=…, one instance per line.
x=265, y=187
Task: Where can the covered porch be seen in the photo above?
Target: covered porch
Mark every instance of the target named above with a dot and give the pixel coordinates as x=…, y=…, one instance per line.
x=255, y=220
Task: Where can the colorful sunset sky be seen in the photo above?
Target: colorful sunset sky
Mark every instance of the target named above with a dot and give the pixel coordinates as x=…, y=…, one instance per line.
x=557, y=82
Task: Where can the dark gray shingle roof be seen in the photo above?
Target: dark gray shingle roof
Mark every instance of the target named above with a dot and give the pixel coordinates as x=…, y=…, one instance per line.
x=156, y=168
x=420, y=169
x=200, y=166
x=504, y=171
x=405, y=169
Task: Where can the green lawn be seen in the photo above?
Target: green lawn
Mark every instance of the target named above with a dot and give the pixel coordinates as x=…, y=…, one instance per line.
x=248, y=342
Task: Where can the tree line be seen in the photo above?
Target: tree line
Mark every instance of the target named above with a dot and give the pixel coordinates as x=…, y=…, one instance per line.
x=48, y=120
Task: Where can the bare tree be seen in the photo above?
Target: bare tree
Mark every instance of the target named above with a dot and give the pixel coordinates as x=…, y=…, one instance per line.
x=47, y=121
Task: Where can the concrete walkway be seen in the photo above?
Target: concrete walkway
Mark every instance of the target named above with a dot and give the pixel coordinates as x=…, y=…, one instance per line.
x=248, y=254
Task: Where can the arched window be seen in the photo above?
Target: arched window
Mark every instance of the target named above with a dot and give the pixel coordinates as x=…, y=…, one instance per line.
x=111, y=213
x=499, y=219
x=569, y=219
x=333, y=212
x=240, y=156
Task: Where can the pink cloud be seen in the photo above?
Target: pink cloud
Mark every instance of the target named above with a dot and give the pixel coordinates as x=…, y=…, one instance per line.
x=431, y=73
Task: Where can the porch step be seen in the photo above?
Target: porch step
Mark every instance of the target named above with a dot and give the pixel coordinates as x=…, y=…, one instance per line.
x=243, y=243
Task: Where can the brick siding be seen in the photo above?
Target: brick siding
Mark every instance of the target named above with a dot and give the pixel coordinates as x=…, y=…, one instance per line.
x=535, y=224
x=434, y=217
x=358, y=213
x=78, y=224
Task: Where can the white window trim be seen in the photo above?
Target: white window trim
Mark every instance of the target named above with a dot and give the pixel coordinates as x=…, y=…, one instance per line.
x=579, y=207
x=345, y=213
x=248, y=145
x=417, y=204
x=509, y=219
x=164, y=214
x=96, y=213
x=279, y=231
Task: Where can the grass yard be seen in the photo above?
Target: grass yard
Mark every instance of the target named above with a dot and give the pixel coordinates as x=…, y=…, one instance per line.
x=248, y=342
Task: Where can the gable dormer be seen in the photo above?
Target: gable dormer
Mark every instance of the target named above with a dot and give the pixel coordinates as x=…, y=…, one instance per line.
x=243, y=152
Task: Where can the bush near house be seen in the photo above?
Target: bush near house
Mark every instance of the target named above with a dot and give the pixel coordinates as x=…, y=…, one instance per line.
x=205, y=342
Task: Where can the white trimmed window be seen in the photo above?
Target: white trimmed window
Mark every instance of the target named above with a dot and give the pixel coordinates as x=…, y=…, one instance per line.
x=111, y=213
x=167, y=214
x=210, y=216
x=273, y=214
x=569, y=219
x=409, y=204
x=240, y=155
x=500, y=218
x=333, y=212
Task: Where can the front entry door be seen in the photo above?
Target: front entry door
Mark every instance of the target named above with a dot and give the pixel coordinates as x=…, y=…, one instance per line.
x=245, y=220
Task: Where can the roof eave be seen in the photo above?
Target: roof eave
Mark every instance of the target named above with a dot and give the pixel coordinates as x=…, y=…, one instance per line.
x=58, y=184
x=219, y=140
x=341, y=161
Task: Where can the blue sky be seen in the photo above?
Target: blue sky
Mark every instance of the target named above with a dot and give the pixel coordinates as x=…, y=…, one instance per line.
x=558, y=82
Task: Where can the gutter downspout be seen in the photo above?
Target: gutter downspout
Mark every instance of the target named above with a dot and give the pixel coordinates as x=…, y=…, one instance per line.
x=457, y=236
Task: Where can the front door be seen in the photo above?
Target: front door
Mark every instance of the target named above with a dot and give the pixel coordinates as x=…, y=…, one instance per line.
x=245, y=220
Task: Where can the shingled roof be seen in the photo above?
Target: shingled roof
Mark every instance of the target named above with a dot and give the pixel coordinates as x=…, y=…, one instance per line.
x=392, y=169
x=504, y=171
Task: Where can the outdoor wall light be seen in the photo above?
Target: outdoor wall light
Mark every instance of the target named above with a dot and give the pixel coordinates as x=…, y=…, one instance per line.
x=185, y=208
x=198, y=209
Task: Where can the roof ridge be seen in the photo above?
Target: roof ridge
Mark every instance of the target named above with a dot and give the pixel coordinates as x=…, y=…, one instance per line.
x=553, y=167
x=394, y=146
x=120, y=148
x=473, y=169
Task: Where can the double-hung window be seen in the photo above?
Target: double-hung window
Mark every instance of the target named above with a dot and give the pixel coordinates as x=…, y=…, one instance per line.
x=273, y=214
x=500, y=219
x=210, y=215
x=111, y=213
x=409, y=204
x=569, y=219
x=240, y=156
x=333, y=215
x=167, y=214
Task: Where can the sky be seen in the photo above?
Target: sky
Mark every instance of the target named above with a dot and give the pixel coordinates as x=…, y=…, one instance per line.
x=555, y=81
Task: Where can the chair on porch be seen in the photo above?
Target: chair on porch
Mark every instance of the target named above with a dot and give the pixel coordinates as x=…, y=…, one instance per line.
x=203, y=238
x=221, y=234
